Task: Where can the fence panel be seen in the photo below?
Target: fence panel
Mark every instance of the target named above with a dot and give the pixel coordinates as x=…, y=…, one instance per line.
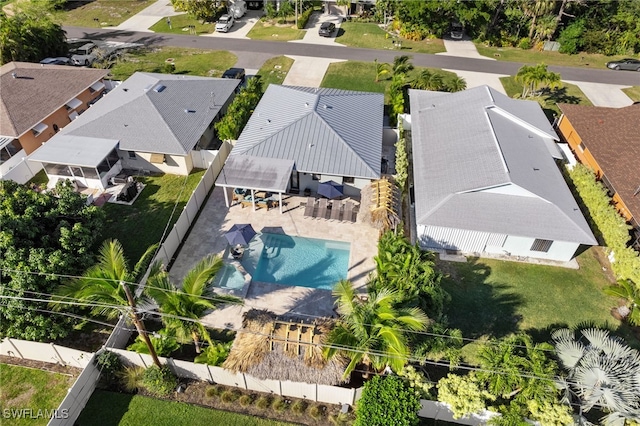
x=440, y=411
x=120, y=335
x=228, y=378
x=78, y=395
x=193, y=205
x=336, y=395
x=190, y=370
x=29, y=350
x=263, y=385
x=73, y=357
x=182, y=226
x=299, y=390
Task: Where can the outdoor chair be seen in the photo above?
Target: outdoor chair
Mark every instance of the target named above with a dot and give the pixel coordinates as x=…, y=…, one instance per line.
x=262, y=203
x=336, y=210
x=310, y=207
x=348, y=212
x=322, y=208
x=237, y=252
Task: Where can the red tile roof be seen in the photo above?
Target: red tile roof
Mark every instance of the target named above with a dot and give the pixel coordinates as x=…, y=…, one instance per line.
x=612, y=135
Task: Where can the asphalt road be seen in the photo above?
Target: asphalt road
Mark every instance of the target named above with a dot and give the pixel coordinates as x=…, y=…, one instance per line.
x=252, y=53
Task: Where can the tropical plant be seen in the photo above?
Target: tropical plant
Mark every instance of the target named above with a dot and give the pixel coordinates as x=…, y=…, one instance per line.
x=131, y=378
x=214, y=354
x=428, y=80
x=416, y=381
x=456, y=84
x=602, y=372
x=627, y=290
x=463, y=394
x=231, y=124
x=402, y=64
x=163, y=342
x=109, y=287
x=533, y=76
x=182, y=307
x=382, y=69
x=550, y=413
x=109, y=364
x=159, y=381
x=387, y=400
x=372, y=331
x=401, y=163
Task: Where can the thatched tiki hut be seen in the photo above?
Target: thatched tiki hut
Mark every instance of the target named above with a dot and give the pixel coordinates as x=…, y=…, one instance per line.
x=269, y=348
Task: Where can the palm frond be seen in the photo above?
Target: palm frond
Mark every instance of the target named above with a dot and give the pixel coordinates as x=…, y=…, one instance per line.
x=143, y=263
x=202, y=274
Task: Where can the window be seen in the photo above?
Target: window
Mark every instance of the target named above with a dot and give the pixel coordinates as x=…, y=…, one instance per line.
x=9, y=149
x=132, y=154
x=39, y=128
x=348, y=180
x=541, y=245
x=157, y=158
x=581, y=147
x=315, y=177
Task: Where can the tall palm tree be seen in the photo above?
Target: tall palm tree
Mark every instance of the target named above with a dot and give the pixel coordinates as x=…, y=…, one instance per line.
x=110, y=283
x=603, y=372
x=185, y=305
x=532, y=76
x=372, y=331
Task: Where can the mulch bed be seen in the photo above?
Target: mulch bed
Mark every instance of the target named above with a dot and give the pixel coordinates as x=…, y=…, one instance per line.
x=40, y=365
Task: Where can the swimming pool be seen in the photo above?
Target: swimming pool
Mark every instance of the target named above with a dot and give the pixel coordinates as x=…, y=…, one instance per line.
x=229, y=277
x=305, y=262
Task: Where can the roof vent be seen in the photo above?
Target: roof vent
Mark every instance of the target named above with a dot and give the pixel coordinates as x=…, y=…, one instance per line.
x=268, y=120
x=125, y=89
x=306, y=104
x=149, y=86
x=159, y=88
x=189, y=110
x=14, y=75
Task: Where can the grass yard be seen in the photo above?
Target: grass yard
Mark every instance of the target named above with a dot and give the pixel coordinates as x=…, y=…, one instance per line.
x=112, y=409
x=265, y=31
x=274, y=70
x=495, y=298
x=514, y=54
x=371, y=36
x=28, y=388
x=633, y=93
x=187, y=61
x=109, y=13
x=142, y=224
x=179, y=24
x=567, y=94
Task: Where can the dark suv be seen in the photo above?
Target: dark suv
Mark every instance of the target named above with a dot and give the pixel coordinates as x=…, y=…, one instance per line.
x=326, y=29
x=237, y=73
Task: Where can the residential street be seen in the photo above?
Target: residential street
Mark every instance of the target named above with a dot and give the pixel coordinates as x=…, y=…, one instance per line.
x=252, y=53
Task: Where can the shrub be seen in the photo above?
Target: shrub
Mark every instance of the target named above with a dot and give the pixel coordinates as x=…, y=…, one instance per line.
x=212, y=391
x=524, y=43
x=159, y=381
x=279, y=404
x=131, y=378
x=163, y=342
x=570, y=38
x=214, y=354
x=299, y=407
x=263, y=402
x=245, y=400
x=229, y=396
x=315, y=411
x=385, y=398
x=109, y=363
x=463, y=394
x=304, y=18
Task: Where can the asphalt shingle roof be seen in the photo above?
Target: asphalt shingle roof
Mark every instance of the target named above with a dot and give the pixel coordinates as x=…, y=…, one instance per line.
x=325, y=131
x=483, y=161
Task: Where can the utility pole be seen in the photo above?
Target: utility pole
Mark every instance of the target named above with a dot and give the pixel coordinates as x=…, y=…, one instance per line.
x=142, y=331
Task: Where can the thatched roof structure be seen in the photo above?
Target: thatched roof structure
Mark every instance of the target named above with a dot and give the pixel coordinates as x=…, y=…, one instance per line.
x=383, y=200
x=270, y=348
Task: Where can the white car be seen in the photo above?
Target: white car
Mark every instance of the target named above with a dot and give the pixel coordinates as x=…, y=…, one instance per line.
x=224, y=24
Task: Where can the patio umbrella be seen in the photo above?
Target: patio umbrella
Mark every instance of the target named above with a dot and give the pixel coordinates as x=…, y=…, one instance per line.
x=240, y=234
x=330, y=189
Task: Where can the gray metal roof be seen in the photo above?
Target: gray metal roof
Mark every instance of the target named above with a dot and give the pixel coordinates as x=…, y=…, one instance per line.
x=324, y=131
x=146, y=119
x=74, y=150
x=482, y=161
x=249, y=172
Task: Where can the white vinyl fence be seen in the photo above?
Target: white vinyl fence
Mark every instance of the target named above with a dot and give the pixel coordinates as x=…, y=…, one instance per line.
x=45, y=352
x=440, y=411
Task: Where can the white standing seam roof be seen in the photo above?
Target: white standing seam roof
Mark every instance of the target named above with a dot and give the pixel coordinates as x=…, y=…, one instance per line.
x=248, y=172
x=485, y=162
x=74, y=151
x=324, y=131
x=156, y=113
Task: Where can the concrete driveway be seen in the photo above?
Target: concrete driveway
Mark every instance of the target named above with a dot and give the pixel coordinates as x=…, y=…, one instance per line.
x=308, y=71
x=148, y=17
x=311, y=35
x=241, y=27
x=463, y=48
x=604, y=95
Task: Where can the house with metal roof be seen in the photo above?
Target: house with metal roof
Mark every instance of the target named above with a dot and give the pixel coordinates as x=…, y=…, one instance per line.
x=486, y=179
x=36, y=101
x=607, y=140
x=321, y=134
x=158, y=121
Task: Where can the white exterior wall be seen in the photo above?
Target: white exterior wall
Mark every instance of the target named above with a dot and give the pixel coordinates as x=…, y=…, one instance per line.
x=174, y=164
x=18, y=169
x=350, y=189
x=560, y=250
x=101, y=183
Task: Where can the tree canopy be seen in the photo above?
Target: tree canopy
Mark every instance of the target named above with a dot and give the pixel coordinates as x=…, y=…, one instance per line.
x=41, y=235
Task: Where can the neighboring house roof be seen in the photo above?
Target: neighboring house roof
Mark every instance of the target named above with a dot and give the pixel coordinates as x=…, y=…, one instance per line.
x=37, y=91
x=75, y=151
x=484, y=162
x=325, y=131
x=156, y=113
x=612, y=136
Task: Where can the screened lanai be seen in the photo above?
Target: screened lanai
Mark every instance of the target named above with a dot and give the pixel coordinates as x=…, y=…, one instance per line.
x=88, y=161
x=251, y=177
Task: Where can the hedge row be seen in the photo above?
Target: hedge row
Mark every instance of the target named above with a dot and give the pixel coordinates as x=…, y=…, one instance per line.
x=304, y=18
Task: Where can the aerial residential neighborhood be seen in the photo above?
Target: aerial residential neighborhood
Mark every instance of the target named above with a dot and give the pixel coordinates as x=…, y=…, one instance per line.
x=283, y=212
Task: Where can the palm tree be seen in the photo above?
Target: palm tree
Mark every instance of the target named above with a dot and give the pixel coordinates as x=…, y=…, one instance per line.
x=427, y=80
x=372, y=331
x=110, y=283
x=402, y=64
x=603, y=372
x=456, y=84
x=625, y=289
x=536, y=9
x=183, y=307
x=382, y=68
x=532, y=76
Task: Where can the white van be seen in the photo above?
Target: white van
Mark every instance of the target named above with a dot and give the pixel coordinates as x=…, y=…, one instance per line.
x=238, y=8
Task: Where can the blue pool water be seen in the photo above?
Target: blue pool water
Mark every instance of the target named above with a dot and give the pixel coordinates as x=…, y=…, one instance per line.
x=306, y=262
x=229, y=277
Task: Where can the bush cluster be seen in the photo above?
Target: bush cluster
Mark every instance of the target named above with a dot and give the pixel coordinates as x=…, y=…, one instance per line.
x=159, y=381
x=304, y=18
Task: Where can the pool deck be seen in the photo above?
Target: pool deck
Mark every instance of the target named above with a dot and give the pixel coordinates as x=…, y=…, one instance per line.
x=207, y=236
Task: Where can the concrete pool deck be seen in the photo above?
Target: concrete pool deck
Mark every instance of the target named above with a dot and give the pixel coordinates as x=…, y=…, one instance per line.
x=207, y=236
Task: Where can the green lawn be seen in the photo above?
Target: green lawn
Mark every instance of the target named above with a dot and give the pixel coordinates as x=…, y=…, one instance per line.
x=274, y=70
x=568, y=94
x=28, y=388
x=495, y=298
x=113, y=409
x=39, y=179
x=187, y=61
x=179, y=24
x=140, y=225
x=108, y=12
x=514, y=54
x=266, y=31
x=633, y=93
x=371, y=36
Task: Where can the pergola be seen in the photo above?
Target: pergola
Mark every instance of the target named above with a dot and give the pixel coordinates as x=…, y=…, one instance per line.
x=255, y=174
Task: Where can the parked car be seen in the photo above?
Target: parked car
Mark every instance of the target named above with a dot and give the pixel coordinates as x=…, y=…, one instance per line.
x=326, y=29
x=237, y=73
x=85, y=55
x=224, y=24
x=238, y=9
x=255, y=5
x=56, y=61
x=457, y=30
x=628, y=64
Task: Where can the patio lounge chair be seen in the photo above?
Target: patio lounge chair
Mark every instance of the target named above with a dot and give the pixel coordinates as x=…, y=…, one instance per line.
x=238, y=194
x=322, y=208
x=336, y=210
x=262, y=203
x=310, y=207
x=247, y=201
x=348, y=212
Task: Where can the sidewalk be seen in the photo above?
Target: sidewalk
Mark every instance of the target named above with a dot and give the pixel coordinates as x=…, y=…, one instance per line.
x=148, y=17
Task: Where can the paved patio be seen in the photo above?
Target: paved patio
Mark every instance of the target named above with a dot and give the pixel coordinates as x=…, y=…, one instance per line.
x=207, y=236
